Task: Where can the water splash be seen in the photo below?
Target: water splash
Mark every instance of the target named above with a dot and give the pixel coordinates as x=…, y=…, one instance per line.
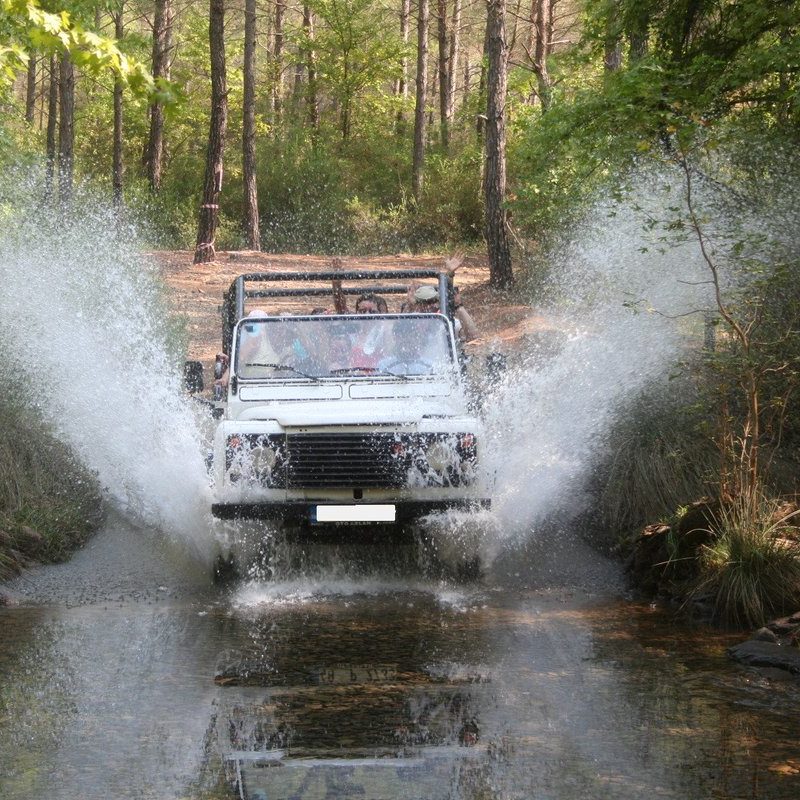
x=83, y=319
x=257, y=595
x=618, y=293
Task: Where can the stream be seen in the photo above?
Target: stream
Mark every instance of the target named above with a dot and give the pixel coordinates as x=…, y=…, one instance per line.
x=127, y=674
x=355, y=669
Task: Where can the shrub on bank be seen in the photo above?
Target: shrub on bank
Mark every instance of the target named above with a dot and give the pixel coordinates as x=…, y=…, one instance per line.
x=658, y=457
x=750, y=570
x=734, y=562
x=48, y=503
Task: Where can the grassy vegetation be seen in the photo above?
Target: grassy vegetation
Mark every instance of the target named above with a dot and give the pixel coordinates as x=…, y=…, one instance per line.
x=750, y=571
x=48, y=504
x=659, y=457
x=735, y=560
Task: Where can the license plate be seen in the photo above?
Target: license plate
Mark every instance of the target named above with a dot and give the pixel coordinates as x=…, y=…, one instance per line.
x=342, y=674
x=353, y=513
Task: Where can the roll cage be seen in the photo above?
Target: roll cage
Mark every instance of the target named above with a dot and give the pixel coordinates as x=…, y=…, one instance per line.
x=251, y=286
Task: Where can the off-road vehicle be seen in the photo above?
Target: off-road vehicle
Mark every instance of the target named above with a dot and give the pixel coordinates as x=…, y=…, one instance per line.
x=334, y=418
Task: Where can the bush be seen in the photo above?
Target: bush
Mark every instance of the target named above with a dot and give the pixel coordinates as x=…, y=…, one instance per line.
x=49, y=504
x=749, y=572
x=659, y=457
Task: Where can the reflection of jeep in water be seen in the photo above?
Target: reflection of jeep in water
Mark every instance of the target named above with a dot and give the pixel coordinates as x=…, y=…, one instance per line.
x=334, y=418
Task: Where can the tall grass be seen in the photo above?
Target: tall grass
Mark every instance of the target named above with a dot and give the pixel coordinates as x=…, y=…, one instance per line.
x=657, y=458
x=749, y=572
x=48, y=503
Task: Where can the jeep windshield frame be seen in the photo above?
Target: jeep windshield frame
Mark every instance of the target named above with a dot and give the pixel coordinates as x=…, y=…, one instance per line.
x=266, y=285
x=352, y=346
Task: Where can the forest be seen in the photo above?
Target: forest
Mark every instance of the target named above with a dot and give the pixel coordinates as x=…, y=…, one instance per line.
x=386, y=126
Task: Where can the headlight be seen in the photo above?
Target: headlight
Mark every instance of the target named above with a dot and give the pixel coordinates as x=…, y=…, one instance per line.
x=440, y=456
x=263, y=459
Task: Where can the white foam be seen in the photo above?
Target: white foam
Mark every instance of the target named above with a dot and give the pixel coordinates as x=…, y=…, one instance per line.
x=257, y=594
x=617, y=305
x=83, y=320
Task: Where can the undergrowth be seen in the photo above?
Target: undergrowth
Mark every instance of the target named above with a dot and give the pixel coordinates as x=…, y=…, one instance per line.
x=749, y=572
x=49, y=504
x=658, y=457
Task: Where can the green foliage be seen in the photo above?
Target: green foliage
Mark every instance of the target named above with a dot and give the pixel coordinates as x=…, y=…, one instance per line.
x=351, y=58
x=707, y=68
x=749, y=572
x=29, y=27
x=48, y=503
x=659, y=456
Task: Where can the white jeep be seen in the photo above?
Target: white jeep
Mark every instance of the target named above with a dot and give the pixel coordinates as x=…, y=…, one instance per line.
x=343, y=418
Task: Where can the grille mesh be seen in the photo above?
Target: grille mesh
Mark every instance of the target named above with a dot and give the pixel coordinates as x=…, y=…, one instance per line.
x=341, y=460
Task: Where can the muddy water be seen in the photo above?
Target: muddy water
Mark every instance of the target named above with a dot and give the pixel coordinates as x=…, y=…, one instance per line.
x=124, y=674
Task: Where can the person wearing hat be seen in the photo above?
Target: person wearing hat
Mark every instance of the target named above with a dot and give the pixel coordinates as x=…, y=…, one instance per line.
x=425, y=299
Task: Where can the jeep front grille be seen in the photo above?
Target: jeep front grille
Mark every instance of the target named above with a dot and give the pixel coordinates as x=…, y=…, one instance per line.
x=344, y=460
x=351, y=460
x=376, y=460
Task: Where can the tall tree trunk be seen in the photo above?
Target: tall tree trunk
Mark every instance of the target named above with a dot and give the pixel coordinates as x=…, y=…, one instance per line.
x=541, y=50
x=402, y=81
x=467, y=85
x=452, y=60
x=277, y=59
x=312, y=103
x=500, y=274
x=612, y=56
x=638, y=30
x=212, y=185
x=480, y=122
x=162, y=45
x=52, y=126
x=444, y=54
x=250, y=223
x=66, y=127
x=30, y=92
x=420, y=119
x=117, y=167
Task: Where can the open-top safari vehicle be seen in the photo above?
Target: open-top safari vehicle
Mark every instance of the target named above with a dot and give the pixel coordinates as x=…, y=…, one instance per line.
x=336, y=418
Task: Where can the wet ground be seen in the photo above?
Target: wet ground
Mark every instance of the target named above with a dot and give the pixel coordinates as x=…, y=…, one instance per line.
x=356, y=672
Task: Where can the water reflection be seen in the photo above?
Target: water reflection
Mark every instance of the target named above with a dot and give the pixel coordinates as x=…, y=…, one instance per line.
x=347, y=701
x=376, y=691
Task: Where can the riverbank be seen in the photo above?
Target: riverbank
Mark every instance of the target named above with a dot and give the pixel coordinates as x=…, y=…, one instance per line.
x=49, y=504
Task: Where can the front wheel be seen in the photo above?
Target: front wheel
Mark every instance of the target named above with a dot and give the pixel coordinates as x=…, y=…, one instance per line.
x=225, y=569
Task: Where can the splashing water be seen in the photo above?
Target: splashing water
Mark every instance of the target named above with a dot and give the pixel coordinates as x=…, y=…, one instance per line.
x=82, y=318
x=616, y=302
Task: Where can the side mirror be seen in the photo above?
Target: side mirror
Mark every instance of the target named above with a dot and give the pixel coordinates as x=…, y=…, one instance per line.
x=193, y=376
x=220, y=365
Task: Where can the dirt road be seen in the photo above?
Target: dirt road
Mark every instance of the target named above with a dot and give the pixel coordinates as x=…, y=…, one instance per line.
x=196, y=292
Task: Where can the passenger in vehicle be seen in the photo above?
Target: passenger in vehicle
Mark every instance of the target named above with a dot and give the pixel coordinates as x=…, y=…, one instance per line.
x=222, y=382
x=365, y=304
x=339, y=352
x=262, y=344
x=425, y=299
x=371, y=304
x=410, y=351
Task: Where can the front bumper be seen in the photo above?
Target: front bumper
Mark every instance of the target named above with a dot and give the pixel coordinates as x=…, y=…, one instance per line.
x=304, y=510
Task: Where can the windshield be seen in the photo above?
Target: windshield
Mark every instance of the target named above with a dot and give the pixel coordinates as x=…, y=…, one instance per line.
x=328, y=346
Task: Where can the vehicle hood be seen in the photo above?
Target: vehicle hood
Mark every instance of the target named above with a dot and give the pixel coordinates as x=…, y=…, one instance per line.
x=373, y=411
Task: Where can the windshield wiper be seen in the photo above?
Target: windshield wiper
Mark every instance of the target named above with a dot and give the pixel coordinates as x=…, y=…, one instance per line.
x=368, y=371
x=288, y=367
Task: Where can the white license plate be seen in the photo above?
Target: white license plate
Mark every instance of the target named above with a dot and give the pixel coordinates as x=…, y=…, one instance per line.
x=352, y=513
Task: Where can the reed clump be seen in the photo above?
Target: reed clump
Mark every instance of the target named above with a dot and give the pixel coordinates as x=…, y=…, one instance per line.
x=657, y=456
x=749, y=571
x=49, y=504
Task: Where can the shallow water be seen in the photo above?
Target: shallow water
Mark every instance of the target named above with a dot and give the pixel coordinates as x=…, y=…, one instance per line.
x=125, y=674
